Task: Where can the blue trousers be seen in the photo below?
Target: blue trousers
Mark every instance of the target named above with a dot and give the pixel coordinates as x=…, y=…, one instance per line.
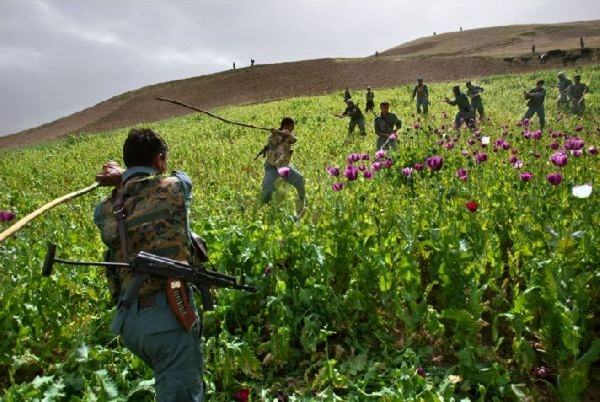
x=175, y=355
x=271, y=175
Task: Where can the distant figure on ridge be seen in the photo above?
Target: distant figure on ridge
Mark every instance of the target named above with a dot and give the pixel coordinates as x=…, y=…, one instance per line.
x=251, y=62
x=576, y=93
x=422, y=94
x=464, y=114
x=581, y=43
x=347, y=94
x=473, y=92
x=563, y=83
x=376, y=53
x=370, y=95
x=533, y=48
x=234, y=65
x=386, y=124
x=535, y=102
x=277, y=164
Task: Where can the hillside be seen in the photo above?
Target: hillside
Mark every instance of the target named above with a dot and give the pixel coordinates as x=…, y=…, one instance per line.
x=449, y=56
x=473, y=278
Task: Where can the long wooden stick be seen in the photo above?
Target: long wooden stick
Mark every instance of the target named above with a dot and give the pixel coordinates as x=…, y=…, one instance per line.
x=24, y=221
x=197, y=109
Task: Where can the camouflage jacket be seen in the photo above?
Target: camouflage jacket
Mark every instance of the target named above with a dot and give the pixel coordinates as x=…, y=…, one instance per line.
x=156, y=221
x=462, y=102
x=370, y=96
x=353, y=111
x=563, y=84
x=421, y=92
x=474, y=93
x=279, y=148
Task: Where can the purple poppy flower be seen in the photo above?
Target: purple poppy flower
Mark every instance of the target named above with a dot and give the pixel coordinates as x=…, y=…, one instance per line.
x=333, y=171
x=7, y=216
x=380, y=154
x=418, y=167
x=365, y=157
x=464, y=153
x=362, y=168
x=421, y=372
x=527, y=134
x=284, y=171
x=462, y=174
x=407, y=171
x=526, y=176
x=577, y=153
x=435, y=162
x=554, y=145
x=470, y=141
x=367, y=174
x=393, y=136
x=351, y=172
x=416, y=126
x=481, y=157
x=353, y=157
x=337, y=186
x=554, y=178
x=376, y=166
x=388, y=163
x=506, y=146
x=574, y=143
x=579, y=128
x=448, y=145
x=559, y=159
x=592, y=150
x=518, y=164
x=537, y=135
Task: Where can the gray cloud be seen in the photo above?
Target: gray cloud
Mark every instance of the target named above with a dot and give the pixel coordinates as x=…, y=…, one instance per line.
x=58, y=57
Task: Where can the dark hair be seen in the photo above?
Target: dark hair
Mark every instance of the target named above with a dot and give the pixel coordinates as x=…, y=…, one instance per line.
x=141, y=147
x=286, y=121
x=540, y=82
x=456, y=88
x=384, y=103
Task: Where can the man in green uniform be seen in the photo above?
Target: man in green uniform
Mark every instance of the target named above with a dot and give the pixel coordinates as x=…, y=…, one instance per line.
x=535, y=102
x=356, y=118
x=386, y=124
x=370, y=95
x=464, y=114
x=576, y=93
x=277, y=164
x=148, y=211
x=563, y=83
x=422, y=94
x=474, y=93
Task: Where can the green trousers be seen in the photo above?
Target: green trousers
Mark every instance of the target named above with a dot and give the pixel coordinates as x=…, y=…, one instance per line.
x=539, y=110
x=175, y=355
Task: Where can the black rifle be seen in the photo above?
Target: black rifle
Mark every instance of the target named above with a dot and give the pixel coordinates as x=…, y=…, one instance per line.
x=263, y=152
x=150, y=264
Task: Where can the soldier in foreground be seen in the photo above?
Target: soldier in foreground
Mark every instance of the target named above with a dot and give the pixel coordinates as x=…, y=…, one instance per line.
x=356, y=118
x=386, y=124
x=278, y=152
x=148, y=211
x=576, y=93
x=563, y=83
x=370, y=95
x=422, y=94
x=474, y=93
x=535, y=102
x=464, y=114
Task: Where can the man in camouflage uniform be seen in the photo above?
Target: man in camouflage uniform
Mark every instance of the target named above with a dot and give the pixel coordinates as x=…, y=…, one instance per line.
x=563, y=83
x=153, y=208
x=277, y=164
x=464, y=114
x=422, y=94
x=370, y=95
x=386, y=124
x=356, y=118
x=576, y=93
x=474, y=93
x=535, y=102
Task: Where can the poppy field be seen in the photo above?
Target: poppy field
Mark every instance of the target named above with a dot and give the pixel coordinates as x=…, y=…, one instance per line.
x=464, y=266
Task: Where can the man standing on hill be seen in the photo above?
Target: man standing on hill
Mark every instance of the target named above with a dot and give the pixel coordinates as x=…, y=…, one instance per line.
x=422, y=94
x=386, y=124
x=577, y=93
x=277, y=164
x=563, y=83
x=370, y=95
x=464, y=114
x=148, y=211
x=474, y=92
x=535, y=102
x=356, y=118
x=347, y=94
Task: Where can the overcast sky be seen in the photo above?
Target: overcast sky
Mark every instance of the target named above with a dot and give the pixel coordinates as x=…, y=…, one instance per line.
x=59, y=56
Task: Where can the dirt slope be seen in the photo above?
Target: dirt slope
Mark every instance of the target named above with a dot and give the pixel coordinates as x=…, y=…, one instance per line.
x=450, y=56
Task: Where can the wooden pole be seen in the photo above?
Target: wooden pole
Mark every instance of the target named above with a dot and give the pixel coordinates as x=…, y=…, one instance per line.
x=176, y=102
x=24, y=221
